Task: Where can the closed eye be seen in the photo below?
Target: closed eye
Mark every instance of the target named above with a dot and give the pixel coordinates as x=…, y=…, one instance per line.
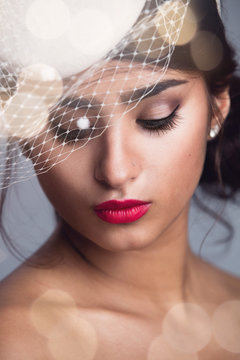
x=163, y=124
x=152, y=126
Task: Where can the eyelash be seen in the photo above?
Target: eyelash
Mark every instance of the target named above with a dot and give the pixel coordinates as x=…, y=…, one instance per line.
x=73, y=136
x=152, y=126
x=161, y=125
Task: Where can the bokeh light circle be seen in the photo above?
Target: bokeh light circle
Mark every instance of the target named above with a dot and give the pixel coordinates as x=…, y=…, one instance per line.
x=42, y=81
x=161, y=350
x=206, y=51
x=50, y=312
x=226, y=326
x=91, y=32
x=187, y=327
x=79, y=342
x=26, y=113
x=25, y=116
x=48, y=19
x=56, y=317
x=189, y=28
x=173, y=16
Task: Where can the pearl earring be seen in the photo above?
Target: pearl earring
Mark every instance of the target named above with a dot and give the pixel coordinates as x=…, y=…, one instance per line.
x=214, y=131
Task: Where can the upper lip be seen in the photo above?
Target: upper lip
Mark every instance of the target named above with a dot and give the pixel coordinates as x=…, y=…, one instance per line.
x=120, y=204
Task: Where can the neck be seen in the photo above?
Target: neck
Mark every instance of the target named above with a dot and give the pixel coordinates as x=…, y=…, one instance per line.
x=160, y=272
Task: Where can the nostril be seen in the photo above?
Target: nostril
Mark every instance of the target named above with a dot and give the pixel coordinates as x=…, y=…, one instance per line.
x=115, y=174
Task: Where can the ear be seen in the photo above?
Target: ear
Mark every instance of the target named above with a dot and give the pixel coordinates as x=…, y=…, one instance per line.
x=221, y=108
x=223, y=103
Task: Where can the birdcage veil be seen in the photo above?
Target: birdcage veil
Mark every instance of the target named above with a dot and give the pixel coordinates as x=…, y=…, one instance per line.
x=59, y=63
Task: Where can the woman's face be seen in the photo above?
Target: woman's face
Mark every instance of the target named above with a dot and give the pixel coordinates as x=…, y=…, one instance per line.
x=159, y=162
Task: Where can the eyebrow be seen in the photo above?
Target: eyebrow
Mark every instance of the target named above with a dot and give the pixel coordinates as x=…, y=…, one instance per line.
x=78, y=103
x=150, y=91
x=131, y=96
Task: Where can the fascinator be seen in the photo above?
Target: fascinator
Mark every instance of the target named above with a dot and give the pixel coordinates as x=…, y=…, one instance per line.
x=56, y=60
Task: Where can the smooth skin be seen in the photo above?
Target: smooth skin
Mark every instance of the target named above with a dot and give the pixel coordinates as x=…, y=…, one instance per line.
x=129, y=275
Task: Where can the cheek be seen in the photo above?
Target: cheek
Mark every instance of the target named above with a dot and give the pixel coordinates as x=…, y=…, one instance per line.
x=67, y=183
x=178, y=165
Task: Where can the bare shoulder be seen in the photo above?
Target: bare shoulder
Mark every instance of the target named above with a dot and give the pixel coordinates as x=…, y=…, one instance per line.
x=18, y=338
x=39, y=317
x=33, y=302
x=220, y=282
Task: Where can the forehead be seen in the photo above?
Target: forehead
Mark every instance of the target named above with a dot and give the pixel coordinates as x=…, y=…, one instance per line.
x=120, y=77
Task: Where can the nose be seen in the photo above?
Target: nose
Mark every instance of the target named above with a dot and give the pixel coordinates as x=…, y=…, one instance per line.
x=117, y=161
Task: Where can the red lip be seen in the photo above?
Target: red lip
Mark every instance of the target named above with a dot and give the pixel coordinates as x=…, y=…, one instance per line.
x=122, y=211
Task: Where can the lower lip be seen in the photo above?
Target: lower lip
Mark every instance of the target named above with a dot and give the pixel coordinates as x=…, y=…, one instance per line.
x=123, y=216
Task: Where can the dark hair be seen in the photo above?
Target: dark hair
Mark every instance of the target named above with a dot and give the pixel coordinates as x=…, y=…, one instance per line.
x=221, y=173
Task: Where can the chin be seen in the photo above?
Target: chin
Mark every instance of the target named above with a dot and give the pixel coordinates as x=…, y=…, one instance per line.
x=122, y=239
